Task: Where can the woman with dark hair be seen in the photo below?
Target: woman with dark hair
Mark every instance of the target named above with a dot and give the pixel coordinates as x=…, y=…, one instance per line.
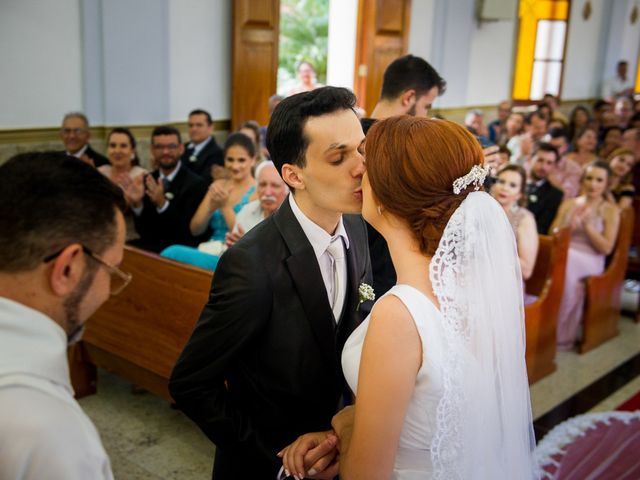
x=251, y=129
x=579, y=118
x=218, y=209
x=584, y=146
x=447, y=341
x=621, y=161
x=611, y=140
x=123, y=167
x=593, y=221
x=509, y=191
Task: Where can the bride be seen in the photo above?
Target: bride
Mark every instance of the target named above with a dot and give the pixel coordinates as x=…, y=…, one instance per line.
x=438, y=368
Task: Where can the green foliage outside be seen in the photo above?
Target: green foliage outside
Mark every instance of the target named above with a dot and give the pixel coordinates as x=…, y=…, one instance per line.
x=304, y=33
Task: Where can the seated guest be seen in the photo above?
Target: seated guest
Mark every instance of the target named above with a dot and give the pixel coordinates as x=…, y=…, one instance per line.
x=61, y=233
x=535, y=128
x=623, y=109
x=497, y=128
x=509, y=191
x=567, y=173
x=621, y=162
x=306, y=79
x=474, y=121
x=593, y=221
x=251, y=129
x=274, y=100
x=123, y=167
x=75, y=135
x=554, y=104
x=202, y=152
x=578, y=119
x=271, y=193
x=219, y=207
x=611, y=140
x=543, y=199
x=584, y=146
x=164, y=201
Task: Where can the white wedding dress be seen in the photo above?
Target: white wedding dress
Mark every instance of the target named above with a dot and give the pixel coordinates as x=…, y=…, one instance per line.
x=413, y=458
x=470, y=414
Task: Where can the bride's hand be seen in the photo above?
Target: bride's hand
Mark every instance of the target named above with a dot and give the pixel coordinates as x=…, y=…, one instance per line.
x=312, y=455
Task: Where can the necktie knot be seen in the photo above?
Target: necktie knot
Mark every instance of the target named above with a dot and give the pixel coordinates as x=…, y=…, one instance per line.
x=336, y=248
x=166, y=183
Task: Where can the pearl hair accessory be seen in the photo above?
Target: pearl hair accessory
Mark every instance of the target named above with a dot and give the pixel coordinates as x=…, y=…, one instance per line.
x=475, y=177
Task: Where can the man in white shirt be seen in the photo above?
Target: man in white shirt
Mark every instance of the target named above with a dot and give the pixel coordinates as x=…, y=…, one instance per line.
x=61, y=236
x=620, y=85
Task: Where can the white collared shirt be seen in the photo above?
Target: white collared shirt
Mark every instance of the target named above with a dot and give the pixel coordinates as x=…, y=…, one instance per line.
x=320, y=240
x=198, y=148
x=79, y=153
x=43, y=431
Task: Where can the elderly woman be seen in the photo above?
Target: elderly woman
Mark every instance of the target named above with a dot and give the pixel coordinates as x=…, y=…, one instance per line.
x=123, y=166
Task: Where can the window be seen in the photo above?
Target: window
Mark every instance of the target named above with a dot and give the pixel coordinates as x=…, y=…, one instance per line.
x=541, y=43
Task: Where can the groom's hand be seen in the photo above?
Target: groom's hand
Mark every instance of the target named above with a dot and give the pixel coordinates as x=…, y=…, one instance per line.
x=312, y=455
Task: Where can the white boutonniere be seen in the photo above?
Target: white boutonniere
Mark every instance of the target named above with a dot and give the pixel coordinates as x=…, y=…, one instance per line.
x=168, y=195
x=365, y=292
x=193, y=158
x=533, y=198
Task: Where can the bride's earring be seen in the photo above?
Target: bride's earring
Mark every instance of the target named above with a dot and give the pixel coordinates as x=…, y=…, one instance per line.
x=379, y=210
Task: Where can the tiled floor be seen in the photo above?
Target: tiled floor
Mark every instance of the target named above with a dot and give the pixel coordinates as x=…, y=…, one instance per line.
x=146, y=439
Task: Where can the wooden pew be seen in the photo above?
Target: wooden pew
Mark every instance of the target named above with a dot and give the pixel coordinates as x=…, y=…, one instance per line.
x=140, y=333
x=602, y=302
x=541, y=317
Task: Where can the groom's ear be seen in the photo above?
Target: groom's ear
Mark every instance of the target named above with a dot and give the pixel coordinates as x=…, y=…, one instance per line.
x=292, y=175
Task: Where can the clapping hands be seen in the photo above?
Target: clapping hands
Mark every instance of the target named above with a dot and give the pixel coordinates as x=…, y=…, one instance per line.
x=219, y=192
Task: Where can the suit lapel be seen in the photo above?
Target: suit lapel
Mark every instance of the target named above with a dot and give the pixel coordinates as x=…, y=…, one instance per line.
x=305, y=274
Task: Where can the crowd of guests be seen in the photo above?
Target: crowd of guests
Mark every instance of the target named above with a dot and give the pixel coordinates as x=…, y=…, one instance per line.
x=551, y=170
x=576, y=172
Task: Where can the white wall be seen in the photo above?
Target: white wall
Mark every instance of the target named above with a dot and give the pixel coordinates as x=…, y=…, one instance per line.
x=341, y=55
x=200, y=57
x=624, y=39
x=420, y=33
x=586, y=42
x=40, y=55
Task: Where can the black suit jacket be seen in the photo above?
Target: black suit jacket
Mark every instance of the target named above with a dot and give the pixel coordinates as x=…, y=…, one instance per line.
x=98, y=159
x=269, y=332
x=210, y=155
x=159, y=230
x=543, y=202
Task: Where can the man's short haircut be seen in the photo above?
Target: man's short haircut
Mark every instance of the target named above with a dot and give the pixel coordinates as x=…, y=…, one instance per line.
x=544, y=147
x=199, y=111
x=286, y=140
x=599, y=104
x=79, y=115
x=50, y=200
x=623, y=62
x=476, y=112
x=410, y=73
x=559, y=133
x=165, y=130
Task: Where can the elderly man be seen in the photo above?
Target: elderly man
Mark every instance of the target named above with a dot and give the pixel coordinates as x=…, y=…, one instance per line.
x=59, y=247
x=271, y=193
x=75, y=135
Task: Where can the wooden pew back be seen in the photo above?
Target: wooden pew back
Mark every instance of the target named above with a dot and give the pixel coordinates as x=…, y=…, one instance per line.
x=140, y=333
x=541, y=316
x=602, y=303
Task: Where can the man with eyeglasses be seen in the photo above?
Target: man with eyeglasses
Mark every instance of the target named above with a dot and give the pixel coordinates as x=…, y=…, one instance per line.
x=164, y=201
x=62, y=234
x=75, y=135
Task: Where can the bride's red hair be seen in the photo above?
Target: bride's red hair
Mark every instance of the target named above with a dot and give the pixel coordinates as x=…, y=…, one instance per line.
x=412, y=163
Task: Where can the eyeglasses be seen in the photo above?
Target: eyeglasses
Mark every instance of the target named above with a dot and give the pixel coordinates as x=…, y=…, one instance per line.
x=171, y=146
x=75, y=131
x=119, y=279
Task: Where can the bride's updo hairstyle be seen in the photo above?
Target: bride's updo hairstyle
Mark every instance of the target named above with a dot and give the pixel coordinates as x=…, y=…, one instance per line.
x=412, y=164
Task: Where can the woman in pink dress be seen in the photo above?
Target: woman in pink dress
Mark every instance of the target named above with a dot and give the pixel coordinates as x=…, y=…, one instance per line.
x=593, y=221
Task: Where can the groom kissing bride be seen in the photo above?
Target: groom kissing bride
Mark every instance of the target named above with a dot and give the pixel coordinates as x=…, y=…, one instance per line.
x=438, y=367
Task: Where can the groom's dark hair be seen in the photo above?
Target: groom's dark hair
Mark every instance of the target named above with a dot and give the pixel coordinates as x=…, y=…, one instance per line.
x=286, y=140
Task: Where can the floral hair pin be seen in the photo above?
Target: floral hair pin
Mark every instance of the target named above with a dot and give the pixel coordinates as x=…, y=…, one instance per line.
x=475, y=177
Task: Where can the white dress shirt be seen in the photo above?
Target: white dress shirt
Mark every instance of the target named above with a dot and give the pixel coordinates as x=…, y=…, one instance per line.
x=320, y=240
x=43, y=431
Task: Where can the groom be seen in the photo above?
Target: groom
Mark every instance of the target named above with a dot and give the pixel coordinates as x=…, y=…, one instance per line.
x=262, y=365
